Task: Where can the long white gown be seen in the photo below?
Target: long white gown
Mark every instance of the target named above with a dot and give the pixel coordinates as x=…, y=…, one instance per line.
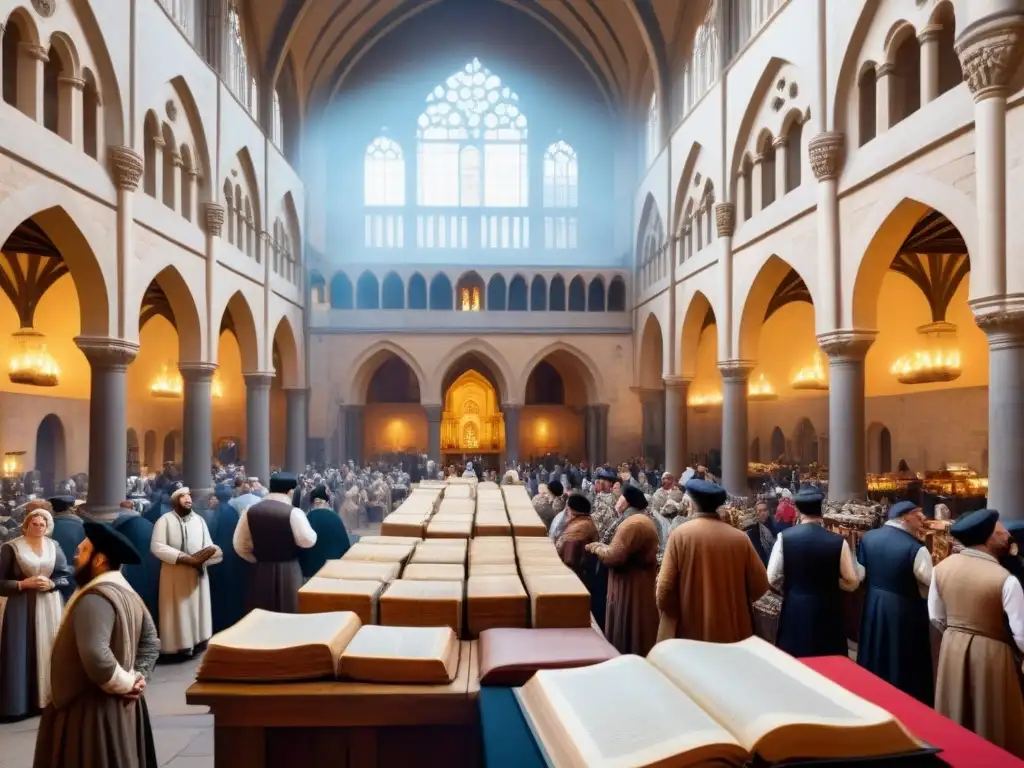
x=186, y=617
x=48, y=606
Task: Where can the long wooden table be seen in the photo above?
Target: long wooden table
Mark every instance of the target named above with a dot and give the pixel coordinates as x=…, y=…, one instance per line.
x=347, y=725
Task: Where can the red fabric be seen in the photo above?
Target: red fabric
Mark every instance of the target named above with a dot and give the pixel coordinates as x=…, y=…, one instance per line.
x=960, y=747
x=785, y=512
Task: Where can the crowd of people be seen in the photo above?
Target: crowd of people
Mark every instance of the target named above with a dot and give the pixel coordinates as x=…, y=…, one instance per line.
x=92, y=606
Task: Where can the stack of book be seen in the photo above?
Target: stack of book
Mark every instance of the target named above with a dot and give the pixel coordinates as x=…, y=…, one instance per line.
x=525, y=520
x=322, y=595
x=380, y=553
x=495, y=601
x=428, y=603
x=441, y=551
x=359, y=570
x=491, y=517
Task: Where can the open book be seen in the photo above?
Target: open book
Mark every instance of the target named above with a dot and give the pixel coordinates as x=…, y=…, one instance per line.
x=268, y=646
x=691, y=702
x=411, y=655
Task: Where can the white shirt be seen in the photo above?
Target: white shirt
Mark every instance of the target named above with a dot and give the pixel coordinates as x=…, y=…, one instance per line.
x=922, y=562
x=302, y=531
x=850, y=571
x=1013, y=601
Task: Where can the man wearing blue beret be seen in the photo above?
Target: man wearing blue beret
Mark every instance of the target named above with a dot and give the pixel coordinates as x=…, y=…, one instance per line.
x=979, y=606
x=894, y=630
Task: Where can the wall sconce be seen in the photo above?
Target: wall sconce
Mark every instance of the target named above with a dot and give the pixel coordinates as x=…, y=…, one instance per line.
x=938, y=362
x=701, y=403
x=32, y=364
x=761, y=389
x=167, y=385
x=811, y=377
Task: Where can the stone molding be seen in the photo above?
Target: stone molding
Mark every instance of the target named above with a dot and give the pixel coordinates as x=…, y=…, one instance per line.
x=885, y=69
x=197, y=371
x=1002, y=320
x=258, y=380
x=648, y=394
x=677, y=382
x=780, y=141
x=107, y=353
x=126, y=167
x=434, y=413
x=826, y=151
x=735, y=370
x=34, y=51
x=214, y=218
x=74, y=82
x=846, y=345
x=725, y=219
x=990, y=53
x=929, y=33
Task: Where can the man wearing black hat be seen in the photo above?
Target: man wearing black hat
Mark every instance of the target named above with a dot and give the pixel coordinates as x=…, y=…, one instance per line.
x=332, y=540
x=1013, y=560
x=270, y=534
x=817, y=567
x=104, y=652
x=980, y=607
x=579, y=530
x=710, y=574
x=603, y=506
x=68, y=531
x=894, y=628
x=549, y=504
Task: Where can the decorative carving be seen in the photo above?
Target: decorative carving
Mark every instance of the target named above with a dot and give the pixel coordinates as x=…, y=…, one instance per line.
x=884, y=69
x=780, y=141
x=1002, y=320
x=126, y=166
x=725, y=219
x=677, y=382
x=794, y=90
x=172, y=110
x=177, y=160
x=45, y=8
x=777, y=103
x=258, y=380
x=34, y=51
x=929, y=34
x=696, y=180
x=107, y=353
x=826, y=151
x=72, y=82
x=848, y=345
x=990, y=54
x=214, y=218
x=197, y=371
x=735, y=370
x=781, y=84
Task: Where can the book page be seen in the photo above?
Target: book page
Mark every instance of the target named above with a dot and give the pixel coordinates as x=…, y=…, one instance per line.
x=266, y=630
x=401, y=642
x=752, y=688
x=622, y=713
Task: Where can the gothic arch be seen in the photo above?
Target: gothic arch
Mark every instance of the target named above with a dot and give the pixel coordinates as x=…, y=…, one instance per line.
x=650, y=361
x=683, y=185
x=746, y=125
x=566, y=358
x=698, y=309
x=244, y=324
x=367, y=363
x=289, y=347
x=188, y=320
x=488, y=354
x=755, y=299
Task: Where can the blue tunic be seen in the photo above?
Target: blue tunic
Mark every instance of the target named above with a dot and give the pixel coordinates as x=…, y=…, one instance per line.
x=895, y=637
x=69, y=532
x=228, y=579
x=811, y=620
x=331, y=541
x=144, y=577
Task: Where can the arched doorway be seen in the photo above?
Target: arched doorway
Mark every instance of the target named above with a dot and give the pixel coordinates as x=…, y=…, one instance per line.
x=805, y=442
x=778, y=445
x=149, y=450
x=472, y=422
x=51, y=453
x=652, y=392
x=879, y=449
x=394, y=423
x=172, y=447
x=133, y=452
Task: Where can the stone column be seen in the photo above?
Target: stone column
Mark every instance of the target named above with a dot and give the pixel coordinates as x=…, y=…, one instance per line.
x=108, y=422
x=297, y=422
x=257, y=425
x=846, y=451
x=675, y=423
x=214, y=220
x=735, y=374
x=434, y=413
x=177, y=164
x=725, y=221
x=928, y=39
x=192, y=214
x=649, y=416
x=601, y=432
x=741, y=197
x=158, y=167
x=69, y=109
x=354, y=433
x=884, y=76
x=197, y=428
x=826, y=154
x=126, y=169
x=31, y=58
x=756, y=186
x=512, y=413
x=781, y=145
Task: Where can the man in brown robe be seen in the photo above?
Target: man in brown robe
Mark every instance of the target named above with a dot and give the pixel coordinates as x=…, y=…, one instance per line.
x=104, y=652
x=979, y=606
x=631, y=620
x=578, y=532
x=710, y=575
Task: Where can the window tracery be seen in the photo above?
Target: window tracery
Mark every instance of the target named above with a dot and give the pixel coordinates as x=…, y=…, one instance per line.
x=561, y=190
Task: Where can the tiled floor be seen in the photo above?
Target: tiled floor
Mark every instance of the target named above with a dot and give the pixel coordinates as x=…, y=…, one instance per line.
x=183, y=734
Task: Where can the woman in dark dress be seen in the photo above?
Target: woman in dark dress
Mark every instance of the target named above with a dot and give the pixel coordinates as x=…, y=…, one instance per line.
x=32, y=571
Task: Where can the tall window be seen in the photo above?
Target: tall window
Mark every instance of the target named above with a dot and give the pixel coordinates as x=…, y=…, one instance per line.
x=277, y=124
x=181, y=12
x=472, y=154
x=561, y=190
x=239, y=80
x=703, y=66
x=653, y=132
x=384, y=187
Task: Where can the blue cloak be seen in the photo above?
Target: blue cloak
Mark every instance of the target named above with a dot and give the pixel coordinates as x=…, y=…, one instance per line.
x=228, y=579
x=69, y=532
x=144, y=577
x=331, y=541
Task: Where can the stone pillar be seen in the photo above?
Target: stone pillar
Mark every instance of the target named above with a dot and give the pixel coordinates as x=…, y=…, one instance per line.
x=197, y=428
x=826, y=153
x=126, y=169
x=675, y=424
x=31, y=58
x=928, y=39
x=108, y=422
x=741, y=197
x=601, y=432
x=650, y=414
x=69, y=109
x=735, y=374
x=214, y=220
x=296, y=421
x=781, y=145
x=756, y=186
x=846, y=427
x=257, y=425
x=434, y=413
x=353, y=433
x=884, y=76
x=192, y=214
x=177, y=164
x=725, y=221
x=512, y=413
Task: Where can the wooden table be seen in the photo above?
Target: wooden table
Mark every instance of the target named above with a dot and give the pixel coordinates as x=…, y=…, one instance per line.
x=347, y=725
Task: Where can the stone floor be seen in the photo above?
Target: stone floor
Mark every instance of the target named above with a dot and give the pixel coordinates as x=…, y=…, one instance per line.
x=183, y=734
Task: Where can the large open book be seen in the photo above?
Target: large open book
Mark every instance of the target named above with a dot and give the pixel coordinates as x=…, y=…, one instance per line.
x=268, y=646
x=691, y=702
x=427, y=655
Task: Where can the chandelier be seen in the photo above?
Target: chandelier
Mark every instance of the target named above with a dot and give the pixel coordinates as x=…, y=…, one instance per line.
x=811, y=377
x=761, y=389
x=701, y=403
x=31, y=363
x=939, y=361
x=167, y=385
x=10, y=468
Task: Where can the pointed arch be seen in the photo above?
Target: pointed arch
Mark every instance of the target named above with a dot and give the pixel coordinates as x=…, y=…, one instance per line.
x=538, y=294
x=288, y=346
x=650, y=362
x=596, y=295
x=113, y=106
x=198, y=130
x=497, y=293
x=370, y=359
x=367, y=291
x=617, y=295
x=248, y=169
x=697, y=311
x=187, y=319
x=577, y=295
x=392, y=292
x=556, y=294
x=567, y=359
x=756, y=302
x=488, y=355
x=683, y=188
x=746, y=126
x=243, y=325
x=342, y=295
x=517, y=298
x=417, y=298
x=441, y=294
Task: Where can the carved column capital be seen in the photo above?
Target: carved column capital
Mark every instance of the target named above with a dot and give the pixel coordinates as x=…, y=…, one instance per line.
x=851, y=345
x=725, y=219
x=990, y=52
x=780, y=141
x=735, y=370
x=434, y=413
x=33, y=51
x=197, y=371
x=676, y=382
x=648, y=394
x=884, y=69
x=107, y=353
x=258, y=379
x=826, y=151
x=929, y=33
x=214, y=218
x=125, y=166
x=1002, y=320
x=71, y=82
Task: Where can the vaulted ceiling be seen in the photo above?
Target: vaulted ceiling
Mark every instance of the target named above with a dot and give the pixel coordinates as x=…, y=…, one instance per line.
x=322, y=40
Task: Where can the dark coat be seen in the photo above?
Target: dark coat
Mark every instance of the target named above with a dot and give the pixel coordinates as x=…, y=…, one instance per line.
x=228, y=579
x=811, y=621
x=331, y=541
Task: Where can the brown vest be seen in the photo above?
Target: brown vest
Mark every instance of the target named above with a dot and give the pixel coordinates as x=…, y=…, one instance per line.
x=972, y=590
x=271, y=531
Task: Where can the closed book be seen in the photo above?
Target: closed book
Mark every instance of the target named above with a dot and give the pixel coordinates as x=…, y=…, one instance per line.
x=557, y=600
x=402, y=655
x=423, y=604
x=495, y=601
x=320, y=595
x=359, y=570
